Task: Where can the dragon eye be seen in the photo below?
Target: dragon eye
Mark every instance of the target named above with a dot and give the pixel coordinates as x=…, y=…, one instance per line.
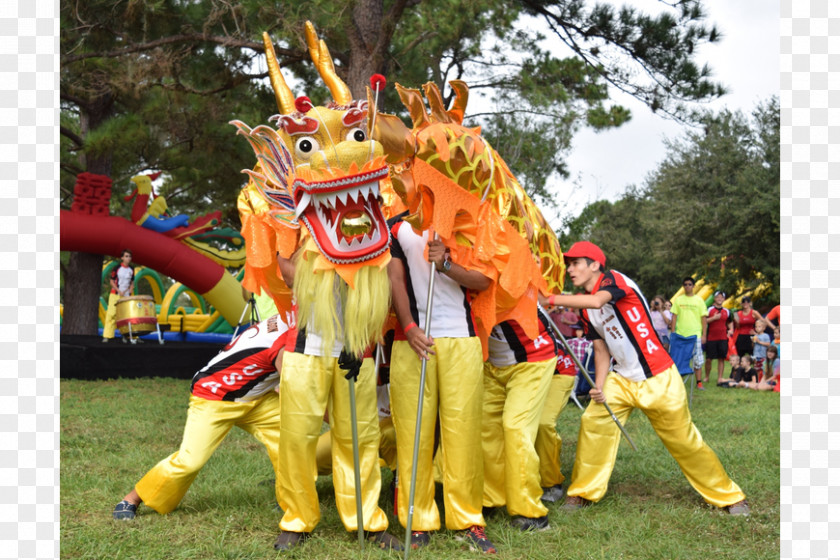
x=306, y=146
x=356, y=134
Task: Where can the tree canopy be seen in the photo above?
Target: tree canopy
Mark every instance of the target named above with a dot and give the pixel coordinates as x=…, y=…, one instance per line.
x=152, y=85
x=711, y=208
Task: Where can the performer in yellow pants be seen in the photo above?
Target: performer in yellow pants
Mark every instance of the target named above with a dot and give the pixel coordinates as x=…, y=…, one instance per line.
x=308, y=385
x=663, y=400
x=236, y=388
x=513, y=402
x=454, y=387
x=549, y=443
x=618, y=321
x=208, y=423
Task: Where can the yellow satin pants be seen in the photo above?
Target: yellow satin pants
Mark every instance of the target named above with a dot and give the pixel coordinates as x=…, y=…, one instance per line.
x=308, y=387
x=513, y=401
x=662, y=399
x=453, y=392
x=110, y=325
x=387, y=448
x=208, y=422
x=549, y=442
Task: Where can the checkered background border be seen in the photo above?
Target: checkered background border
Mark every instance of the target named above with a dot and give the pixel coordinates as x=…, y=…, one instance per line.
x=29, y=421
x=810, y=79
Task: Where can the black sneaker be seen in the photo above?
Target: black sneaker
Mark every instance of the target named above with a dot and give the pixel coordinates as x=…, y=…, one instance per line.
x=574, y=503
x=288, y=540
x=553, y=494
x=530, y=523
x=125, y=510
x=419, y=539
x=384, y=540
x=475, y=537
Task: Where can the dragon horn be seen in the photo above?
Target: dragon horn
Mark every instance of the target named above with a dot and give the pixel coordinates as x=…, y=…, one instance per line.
x=459, y=105
x=320, y=55
x=282, y=93
x=438, y=111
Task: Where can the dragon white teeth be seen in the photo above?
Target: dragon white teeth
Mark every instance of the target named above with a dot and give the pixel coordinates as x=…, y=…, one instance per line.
x=301, y=206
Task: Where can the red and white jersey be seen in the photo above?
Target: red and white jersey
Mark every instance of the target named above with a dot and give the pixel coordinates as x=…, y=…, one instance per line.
x=508, y=344
x=624, y=323
x=244, y=370
x=565, y=364
x=453, y=317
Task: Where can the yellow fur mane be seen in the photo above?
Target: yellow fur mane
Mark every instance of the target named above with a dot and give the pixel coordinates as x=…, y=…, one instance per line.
x=322, y=295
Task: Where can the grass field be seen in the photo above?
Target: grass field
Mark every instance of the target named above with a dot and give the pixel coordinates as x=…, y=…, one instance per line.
x=113, y=431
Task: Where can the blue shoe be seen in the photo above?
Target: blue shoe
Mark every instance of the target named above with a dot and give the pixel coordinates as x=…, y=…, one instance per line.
x=125, y=510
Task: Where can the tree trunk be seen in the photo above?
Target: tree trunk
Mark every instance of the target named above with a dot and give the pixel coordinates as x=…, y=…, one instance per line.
x=83, y=283
x=363, y=34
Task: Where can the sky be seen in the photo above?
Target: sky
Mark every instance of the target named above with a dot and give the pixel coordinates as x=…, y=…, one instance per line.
x=745, y=60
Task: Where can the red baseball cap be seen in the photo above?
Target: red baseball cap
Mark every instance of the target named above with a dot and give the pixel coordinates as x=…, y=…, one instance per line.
x=586, y=249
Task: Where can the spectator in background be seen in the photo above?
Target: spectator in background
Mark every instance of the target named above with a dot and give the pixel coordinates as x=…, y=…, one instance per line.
x=565, y=318
x=770, y=374
x=122, y=284
x=734, y=363
x=661, y=318
x=744, y=374
x=761, y=342
x=745, y=326
x=717, y=341
x=579, y=345
x=689, y=319
x=772, y=317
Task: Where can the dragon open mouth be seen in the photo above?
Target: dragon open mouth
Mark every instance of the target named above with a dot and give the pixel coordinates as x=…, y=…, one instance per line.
x=344, y=216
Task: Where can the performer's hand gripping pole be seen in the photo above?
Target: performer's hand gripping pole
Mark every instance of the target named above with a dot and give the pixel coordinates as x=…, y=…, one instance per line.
x=423, y=362
x=586, y=375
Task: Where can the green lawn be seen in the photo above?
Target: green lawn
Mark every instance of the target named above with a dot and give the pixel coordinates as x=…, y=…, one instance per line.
x=113, y=431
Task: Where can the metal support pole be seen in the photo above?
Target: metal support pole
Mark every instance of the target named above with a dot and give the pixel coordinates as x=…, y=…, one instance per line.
x=423, y=363
x=586, y=375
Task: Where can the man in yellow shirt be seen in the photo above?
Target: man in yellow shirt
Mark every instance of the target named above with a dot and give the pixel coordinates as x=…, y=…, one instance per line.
x=688, y=318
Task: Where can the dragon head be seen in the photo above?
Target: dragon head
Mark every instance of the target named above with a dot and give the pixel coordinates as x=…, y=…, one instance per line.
x=317, y=166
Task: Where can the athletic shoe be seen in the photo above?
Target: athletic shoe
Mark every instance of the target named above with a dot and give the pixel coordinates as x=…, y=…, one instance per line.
x=530, y=523
x=125, y=510
x=475, y=537
x=384, y=540
x=553, y=494
x=288, y=540
x=419, y=539
x=106, y=340
x=700, y=386
x=574, y=503
x=739, y=508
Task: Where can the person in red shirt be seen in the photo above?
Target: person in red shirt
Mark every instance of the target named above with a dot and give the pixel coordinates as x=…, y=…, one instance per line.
x=745, y=326
x=617, y=319
x=717, y=340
